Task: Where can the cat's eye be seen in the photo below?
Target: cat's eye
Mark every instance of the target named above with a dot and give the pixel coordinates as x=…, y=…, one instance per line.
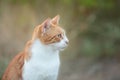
x=59, y=35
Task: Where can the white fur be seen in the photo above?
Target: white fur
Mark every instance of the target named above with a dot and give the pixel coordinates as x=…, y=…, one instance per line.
x=44, y=62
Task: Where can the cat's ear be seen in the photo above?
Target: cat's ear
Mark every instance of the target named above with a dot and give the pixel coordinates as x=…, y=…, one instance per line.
x=55, y=20
x=45, y=25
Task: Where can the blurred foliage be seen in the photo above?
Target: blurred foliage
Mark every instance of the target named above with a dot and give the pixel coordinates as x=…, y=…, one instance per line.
x=87, y=3
x=91, y=3
x=102, y=39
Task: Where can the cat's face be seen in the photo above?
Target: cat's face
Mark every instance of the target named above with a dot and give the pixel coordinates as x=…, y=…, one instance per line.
x=51, y=34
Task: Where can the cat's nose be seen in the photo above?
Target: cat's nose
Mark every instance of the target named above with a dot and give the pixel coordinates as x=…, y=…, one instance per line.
x=67, y=42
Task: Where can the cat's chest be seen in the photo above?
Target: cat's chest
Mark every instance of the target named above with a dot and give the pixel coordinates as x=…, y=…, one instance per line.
x=43, y=63
x=41, y=68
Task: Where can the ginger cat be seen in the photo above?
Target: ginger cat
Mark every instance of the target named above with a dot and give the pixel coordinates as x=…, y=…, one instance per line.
x=40, y=58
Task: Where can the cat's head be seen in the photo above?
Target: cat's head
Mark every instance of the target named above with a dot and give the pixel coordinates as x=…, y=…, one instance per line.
x=51, y=34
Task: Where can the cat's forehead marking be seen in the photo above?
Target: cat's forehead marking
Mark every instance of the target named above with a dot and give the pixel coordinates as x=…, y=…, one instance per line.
x=57, y=30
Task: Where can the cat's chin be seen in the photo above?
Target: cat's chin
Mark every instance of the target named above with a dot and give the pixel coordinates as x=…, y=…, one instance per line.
x=58, y=48
x=62, y=48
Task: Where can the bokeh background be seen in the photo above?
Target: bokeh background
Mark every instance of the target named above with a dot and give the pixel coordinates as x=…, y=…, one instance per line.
x=92, y=26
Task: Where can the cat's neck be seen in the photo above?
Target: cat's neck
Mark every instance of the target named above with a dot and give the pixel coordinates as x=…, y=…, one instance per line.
x=40, y=50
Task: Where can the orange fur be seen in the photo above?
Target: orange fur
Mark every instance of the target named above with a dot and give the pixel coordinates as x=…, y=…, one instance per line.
x=14, y=69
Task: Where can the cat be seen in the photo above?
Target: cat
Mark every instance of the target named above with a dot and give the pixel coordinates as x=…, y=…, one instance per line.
x=40, y=58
